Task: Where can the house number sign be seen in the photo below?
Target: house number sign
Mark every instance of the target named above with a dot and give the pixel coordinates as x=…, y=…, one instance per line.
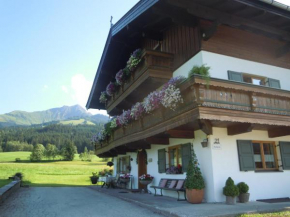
x=216, y=145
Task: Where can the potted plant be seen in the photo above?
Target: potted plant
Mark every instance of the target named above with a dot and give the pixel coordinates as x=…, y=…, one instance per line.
x=194, y=182
x=146, y=179
x=94, y=178
x=244, y=195
x=231, y=191
x=125, y=178
x=202, y=70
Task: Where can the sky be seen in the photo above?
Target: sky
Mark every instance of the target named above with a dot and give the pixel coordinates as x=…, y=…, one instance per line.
x=50, y=50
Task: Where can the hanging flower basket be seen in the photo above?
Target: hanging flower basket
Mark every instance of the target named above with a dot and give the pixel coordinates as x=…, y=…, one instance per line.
x=145, y=182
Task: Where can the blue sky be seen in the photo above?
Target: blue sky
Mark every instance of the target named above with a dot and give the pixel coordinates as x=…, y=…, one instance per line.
x=50, y=50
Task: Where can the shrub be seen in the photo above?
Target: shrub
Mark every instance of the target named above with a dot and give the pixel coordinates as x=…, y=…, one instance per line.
x=68, y=152
x=17, y=159
x=202, y=70
x=18, y=176
x=243, y=187
x=231, y=189
x=194, y=179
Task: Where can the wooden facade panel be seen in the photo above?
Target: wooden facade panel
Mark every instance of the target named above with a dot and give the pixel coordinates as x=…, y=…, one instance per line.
x=246, y=45
x=182, y=41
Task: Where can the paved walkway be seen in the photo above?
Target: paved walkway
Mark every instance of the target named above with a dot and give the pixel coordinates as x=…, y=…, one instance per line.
x=171, y=207
x=68, y=202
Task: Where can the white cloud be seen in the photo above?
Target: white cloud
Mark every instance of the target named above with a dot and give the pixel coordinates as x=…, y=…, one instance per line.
x=97, y=111
x=64, y=89
x=81, y=88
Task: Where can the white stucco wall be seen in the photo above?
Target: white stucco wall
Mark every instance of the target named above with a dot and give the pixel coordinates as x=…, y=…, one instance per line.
x=220, y=64
x=225, y=161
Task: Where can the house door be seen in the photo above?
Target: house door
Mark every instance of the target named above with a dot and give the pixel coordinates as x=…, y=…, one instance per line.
x=142, y=166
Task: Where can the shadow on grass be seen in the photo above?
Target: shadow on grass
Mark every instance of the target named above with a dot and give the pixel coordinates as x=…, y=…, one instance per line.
x=31, y=184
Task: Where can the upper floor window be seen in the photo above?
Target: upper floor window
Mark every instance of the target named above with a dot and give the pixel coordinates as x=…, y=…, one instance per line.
x=253, y=79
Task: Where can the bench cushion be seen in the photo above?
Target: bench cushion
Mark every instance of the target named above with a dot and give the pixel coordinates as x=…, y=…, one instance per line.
x=172, y=184
x=162, y=183
x=179, y=184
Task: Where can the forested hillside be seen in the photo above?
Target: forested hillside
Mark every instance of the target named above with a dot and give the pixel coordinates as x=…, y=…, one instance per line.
x=55, y=134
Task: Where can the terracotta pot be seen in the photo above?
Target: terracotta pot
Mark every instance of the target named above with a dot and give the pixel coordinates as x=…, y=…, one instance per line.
x=194, y=195
x=244, y=197
x=231, y=200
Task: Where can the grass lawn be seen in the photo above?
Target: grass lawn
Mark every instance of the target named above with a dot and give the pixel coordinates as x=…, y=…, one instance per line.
x=4, y=182
x=274, y=214
x=49, y=173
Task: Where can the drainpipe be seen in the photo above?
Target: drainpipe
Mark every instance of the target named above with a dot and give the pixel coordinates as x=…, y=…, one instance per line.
x=276, y=4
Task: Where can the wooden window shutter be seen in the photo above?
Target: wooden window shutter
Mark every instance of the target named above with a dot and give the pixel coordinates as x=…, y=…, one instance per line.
x=161, y=161
x=285, y=154
x=274, y=83
x=246, y=155
x=185, y=156
x=235, y=76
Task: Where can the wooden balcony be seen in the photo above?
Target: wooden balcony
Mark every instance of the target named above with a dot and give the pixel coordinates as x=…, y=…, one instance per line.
x=153, y=71
x=239, y=107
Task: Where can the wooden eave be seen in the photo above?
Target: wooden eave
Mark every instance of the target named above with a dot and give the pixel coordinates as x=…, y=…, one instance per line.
x=224, y=103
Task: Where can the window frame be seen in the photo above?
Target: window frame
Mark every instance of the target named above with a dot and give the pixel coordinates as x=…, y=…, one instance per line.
x=258, y=77
x=263, y=155
x=178, y=154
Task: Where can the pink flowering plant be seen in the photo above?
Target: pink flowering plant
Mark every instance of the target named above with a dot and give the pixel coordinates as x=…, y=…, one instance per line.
x=146, y=177
x=137, y=111
x=111, y=88
x=152, y=101
x=125, y=176
x=120, y=77
x=124, y=118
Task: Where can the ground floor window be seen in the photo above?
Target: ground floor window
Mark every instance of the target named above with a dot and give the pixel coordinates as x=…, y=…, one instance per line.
x=123, y=165
x=265, y=155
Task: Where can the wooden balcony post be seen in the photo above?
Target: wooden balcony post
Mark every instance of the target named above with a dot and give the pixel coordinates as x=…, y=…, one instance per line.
x=200, y=94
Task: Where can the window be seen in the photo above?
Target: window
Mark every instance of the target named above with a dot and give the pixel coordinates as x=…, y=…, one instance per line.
x=265, y=155
x=123, y=164
x=179, y=154
x=174, y=157
x=258, y=155
x=253, y=79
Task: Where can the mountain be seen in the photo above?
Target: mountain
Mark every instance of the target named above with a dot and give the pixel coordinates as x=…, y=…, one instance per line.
x=22, y=118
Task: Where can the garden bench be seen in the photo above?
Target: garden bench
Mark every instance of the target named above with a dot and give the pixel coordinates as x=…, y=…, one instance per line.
x=171, y=185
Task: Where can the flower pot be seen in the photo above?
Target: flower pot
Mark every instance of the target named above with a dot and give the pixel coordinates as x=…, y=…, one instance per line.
x=231, y=200
x=194, y=195
x=145, y=182
x=94, y=180
x=244, y=197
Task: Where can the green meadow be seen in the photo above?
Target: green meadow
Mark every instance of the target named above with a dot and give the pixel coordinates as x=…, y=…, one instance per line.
x=48, y=173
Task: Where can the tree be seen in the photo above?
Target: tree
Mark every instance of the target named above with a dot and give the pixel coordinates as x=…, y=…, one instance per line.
x=1, y=150
x=37, y=153
x=51, y=151
x=68, y=151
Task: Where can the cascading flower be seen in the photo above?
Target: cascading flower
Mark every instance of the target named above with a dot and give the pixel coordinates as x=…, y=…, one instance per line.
x=171, y=97
x=110, y=90
x=103, y=97
x=173, y=81
x=113, y=124
x=120, y=77
x=152, y=101
x=137, y=111
x=124, y=118
x=134, y=60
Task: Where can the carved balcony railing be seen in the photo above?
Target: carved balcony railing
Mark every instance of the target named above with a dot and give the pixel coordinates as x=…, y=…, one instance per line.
x=222, y=102
x=153, y=71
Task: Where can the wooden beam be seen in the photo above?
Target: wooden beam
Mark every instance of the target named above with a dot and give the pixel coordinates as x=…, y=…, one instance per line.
x=186, y=134
x=206, y=126
x=227, y=18
x=138, y=145
x=283, y=50
x=279, y=131
x=158, y=140
x=240, y=129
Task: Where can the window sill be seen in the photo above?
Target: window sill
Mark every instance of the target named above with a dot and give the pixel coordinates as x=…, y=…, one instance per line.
x=269, y=171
